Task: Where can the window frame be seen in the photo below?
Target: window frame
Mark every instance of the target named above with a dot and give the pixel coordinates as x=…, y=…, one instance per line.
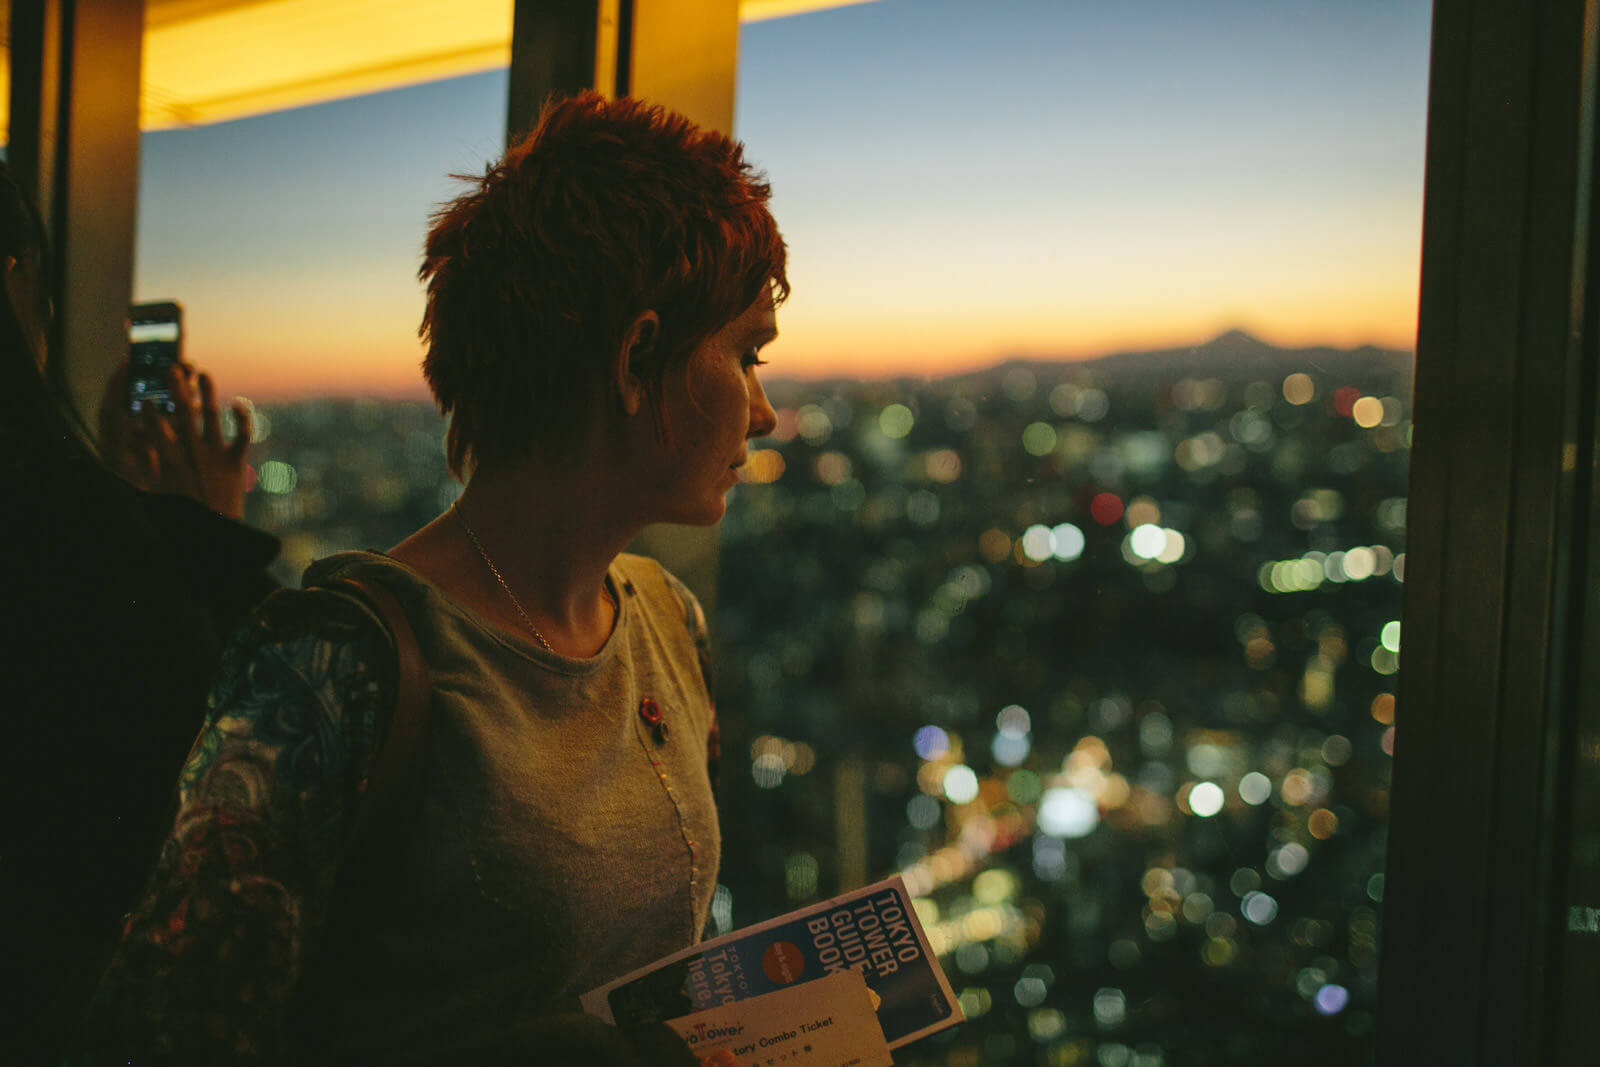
x=1497, y=528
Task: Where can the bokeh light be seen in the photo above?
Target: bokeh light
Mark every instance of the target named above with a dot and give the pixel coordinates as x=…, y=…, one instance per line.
x=1068, y=812
x=960, y=784
x=1205, y=799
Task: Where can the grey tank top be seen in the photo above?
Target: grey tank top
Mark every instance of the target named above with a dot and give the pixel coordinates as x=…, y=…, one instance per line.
x=560, y=841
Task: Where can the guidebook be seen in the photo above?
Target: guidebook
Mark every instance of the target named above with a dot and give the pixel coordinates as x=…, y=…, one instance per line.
x=872, y=930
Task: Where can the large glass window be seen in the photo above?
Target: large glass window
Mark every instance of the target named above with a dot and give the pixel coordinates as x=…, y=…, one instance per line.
x=1069, y=586
x=292, y=241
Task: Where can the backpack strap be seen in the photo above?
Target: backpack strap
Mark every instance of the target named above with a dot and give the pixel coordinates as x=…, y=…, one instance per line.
x=370, y=875
x=395, y=783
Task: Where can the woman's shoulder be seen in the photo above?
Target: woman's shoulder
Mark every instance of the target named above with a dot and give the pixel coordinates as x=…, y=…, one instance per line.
x=662, y=587
x=314, y=633
x=308, y=667
x=361, y=565
x=320, y=612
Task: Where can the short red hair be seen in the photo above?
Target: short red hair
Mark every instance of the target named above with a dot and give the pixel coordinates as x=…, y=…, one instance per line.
x=607, y=209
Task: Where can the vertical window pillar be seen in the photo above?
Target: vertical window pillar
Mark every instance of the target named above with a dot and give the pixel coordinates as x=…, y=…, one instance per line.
x=1471, y=923
x=75, y=149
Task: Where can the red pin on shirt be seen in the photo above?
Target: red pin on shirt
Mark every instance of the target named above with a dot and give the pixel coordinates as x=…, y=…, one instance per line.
x=650, y=712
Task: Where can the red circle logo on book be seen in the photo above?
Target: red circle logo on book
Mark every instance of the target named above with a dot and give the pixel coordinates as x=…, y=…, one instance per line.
x=783, y=962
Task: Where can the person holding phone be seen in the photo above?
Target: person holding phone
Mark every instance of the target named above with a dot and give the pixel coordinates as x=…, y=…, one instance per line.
x=117, y=604
x=596, y=308
x=160, y=426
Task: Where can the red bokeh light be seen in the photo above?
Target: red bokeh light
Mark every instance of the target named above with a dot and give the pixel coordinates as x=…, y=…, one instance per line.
x=1344, y=400
x=1105, y=509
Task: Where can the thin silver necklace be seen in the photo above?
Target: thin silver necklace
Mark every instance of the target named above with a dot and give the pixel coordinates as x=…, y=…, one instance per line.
x=526, y=618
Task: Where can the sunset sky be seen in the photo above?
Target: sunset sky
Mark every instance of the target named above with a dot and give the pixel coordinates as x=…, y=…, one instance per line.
x=959, y=181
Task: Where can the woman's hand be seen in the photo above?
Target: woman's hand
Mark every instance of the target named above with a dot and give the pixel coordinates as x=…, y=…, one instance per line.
x=182, y=452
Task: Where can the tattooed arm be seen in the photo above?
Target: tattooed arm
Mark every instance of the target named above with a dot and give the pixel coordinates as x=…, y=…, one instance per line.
x=211, y=954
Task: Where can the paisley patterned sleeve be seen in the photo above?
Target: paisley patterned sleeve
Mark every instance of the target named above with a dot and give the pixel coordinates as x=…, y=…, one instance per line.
x=211, y=954
x=694, y=617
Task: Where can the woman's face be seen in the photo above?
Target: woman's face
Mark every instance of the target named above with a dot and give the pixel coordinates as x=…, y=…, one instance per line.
x=713, y=409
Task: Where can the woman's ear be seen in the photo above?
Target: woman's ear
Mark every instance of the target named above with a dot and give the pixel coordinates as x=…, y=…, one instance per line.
x=637, y=350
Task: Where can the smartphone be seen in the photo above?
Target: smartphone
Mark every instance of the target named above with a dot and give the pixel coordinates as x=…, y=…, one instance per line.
x=155, y=340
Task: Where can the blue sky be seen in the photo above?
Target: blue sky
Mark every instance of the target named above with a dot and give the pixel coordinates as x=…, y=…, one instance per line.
x=958, y=181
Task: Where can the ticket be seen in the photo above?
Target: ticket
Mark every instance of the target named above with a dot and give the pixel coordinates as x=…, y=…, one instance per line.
x=826, y=1023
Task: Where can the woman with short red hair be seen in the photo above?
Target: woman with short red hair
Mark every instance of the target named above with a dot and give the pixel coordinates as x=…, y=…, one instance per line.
x=596, y=305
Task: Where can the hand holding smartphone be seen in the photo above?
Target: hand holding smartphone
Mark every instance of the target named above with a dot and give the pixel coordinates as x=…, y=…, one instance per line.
x=155, y=345
x=161, y=429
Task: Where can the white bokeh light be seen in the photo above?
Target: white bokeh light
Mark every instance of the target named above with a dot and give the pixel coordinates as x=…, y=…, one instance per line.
x=1174, y=548
x=1068, y=812
x=1069, y=542
x=1205, y=799
x=1255, y=788
x=1038, y=543
x=1147, y=541
x=960, y=784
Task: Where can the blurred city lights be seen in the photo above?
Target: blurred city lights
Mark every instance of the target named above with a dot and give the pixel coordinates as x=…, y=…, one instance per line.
x=936, y=560
x=1029, y=992
x=1067, y=542
x=1173, y=548
x=765, y=466
x=896, y=421
x=1332, y=999
x=1205, y=799
x=1299, y=389
x=832, y=467
x=1009, y=750
x=1147, y=541
x=924, y=812
x=1367, y=412
x=1255, y=788
x=994, y=886
x=1286, y=861
x=960, y=784
x=1039, y=439
x=1390, y=636
x=931, y=742
x=1110, y=1007
x=814, y=424
x=1142, y=511
x=1322, y=824
x=276, y=477
x=1038, y=543
x=768, y=770
x=1258, y=907
x=800, y=876
x=1023, y=786
x=1013, y=721
x=1106, y=508
x=943, y=466
x=1067, y=812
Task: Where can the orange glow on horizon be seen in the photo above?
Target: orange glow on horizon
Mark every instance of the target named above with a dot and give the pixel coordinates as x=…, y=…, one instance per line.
x=356, y=335
x=394, y=370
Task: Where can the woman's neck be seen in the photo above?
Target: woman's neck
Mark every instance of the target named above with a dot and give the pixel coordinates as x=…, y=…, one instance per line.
x=522, y=538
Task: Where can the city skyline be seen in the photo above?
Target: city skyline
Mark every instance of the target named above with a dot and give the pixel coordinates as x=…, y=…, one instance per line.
x=959, y=184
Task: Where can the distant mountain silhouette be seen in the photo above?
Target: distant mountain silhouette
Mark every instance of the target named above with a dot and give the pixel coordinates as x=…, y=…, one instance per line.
x=1235, y=354
x=1231, y=356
